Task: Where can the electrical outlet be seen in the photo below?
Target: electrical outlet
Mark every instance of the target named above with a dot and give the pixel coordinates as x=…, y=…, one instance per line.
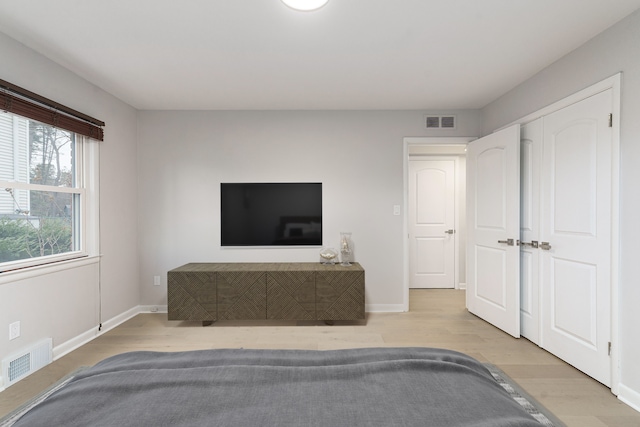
x=14, y=330
x=156, y=280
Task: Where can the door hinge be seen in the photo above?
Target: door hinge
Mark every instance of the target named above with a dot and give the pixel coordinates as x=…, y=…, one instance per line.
x=610, y=120
x=609, y=349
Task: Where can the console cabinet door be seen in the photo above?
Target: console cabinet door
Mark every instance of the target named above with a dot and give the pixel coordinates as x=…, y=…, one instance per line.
x=291, y=295
x=191, y=295
x=340, y=295
x=242, y=295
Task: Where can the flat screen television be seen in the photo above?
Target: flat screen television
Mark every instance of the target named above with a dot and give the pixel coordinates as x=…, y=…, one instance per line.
x=271, y=214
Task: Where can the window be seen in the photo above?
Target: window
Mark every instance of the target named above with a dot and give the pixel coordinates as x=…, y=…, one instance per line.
x=42, y=193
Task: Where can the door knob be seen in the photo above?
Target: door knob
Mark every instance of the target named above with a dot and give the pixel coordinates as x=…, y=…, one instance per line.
x=533, y=244
x=545, y=246
x=449, y=231
x=509, y=242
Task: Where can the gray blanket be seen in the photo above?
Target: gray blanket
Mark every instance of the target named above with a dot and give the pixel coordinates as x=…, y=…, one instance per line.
x=357, y=387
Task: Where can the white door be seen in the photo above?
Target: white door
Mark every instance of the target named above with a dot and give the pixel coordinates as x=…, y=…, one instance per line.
x=431, y=223
x=530, y=163
x=576, y=259
x=493, y=218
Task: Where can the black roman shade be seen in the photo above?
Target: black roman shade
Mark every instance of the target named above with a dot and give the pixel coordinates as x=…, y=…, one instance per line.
x=16, y=100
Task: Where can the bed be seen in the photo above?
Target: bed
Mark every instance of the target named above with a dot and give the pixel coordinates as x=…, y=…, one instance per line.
x=242, y=387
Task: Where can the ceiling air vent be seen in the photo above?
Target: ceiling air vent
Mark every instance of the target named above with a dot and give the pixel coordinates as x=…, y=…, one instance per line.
x=440, y=122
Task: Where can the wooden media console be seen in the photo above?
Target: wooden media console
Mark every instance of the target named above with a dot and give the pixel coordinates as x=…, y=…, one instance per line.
x=208, y=292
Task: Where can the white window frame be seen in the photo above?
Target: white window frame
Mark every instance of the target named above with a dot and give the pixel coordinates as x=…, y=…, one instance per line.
x=87, y=213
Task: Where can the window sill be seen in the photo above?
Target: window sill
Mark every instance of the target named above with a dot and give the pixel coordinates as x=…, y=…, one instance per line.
x=43, y=269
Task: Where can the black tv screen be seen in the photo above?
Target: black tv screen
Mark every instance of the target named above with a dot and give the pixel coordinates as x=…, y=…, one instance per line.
x=271, y=214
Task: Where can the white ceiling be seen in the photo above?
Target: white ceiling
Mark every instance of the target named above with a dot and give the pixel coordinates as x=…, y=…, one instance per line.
x=351, y=54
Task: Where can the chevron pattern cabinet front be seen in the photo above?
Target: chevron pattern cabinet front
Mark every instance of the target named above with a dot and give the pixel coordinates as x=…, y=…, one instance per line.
x=256, y=291
x=191, y=295
x=291, y=295
x=340, y=295
x=242, y=295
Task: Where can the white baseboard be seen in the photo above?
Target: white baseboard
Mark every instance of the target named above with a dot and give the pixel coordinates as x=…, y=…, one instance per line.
x=74, y=343
x=629, y=396
x=85, y=337
x=462, y=286
x=384, y=308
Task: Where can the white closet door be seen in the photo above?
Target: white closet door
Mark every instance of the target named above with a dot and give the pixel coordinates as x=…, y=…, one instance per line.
x=576, y=206
x=493, y=218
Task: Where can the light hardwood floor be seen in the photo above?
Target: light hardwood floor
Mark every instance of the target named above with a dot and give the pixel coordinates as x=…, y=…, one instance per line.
x=437, y=318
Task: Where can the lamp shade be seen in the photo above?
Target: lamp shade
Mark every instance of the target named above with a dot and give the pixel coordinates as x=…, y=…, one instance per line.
x=305, y=5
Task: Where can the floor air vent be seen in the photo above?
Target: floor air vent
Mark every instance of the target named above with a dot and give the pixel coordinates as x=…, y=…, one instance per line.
x=440, y=122
x=28, y=361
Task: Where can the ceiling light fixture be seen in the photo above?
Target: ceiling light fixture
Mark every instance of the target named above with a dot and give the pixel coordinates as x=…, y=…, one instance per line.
x=305, y=5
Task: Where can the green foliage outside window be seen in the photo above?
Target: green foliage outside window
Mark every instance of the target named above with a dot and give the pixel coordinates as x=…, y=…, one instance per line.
x=20, y=238
x=40, y=222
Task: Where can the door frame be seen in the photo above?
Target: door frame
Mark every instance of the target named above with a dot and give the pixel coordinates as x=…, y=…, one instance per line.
x=615, y=84
x=430, y=148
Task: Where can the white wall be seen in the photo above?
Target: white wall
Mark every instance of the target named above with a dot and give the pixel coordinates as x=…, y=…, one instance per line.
x=357, y=155
x=65, y=304
x=615, y=50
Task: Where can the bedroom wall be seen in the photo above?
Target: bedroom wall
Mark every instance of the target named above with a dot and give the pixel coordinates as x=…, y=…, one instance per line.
x=64, y=303
x=357, y=155
x=612, y=51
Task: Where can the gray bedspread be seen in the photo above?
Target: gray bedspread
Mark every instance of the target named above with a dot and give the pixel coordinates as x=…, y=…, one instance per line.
x=357, y=387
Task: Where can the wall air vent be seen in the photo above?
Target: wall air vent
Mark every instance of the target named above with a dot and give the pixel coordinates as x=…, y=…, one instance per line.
x=26, y=362
x=440, y=122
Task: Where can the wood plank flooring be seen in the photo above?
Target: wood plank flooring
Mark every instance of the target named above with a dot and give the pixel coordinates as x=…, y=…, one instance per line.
x=437, y=318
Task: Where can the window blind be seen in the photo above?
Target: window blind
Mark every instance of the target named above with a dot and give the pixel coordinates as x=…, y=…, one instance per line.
x=16, y=100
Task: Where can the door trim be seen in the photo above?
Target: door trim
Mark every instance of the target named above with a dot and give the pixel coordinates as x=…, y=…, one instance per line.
x=615, y=83
x=436, y=147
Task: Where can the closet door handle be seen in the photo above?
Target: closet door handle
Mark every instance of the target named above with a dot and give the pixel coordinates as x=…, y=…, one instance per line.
x=449, y=231
x=533, y=244
x=545, y=246
x=509, y=242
